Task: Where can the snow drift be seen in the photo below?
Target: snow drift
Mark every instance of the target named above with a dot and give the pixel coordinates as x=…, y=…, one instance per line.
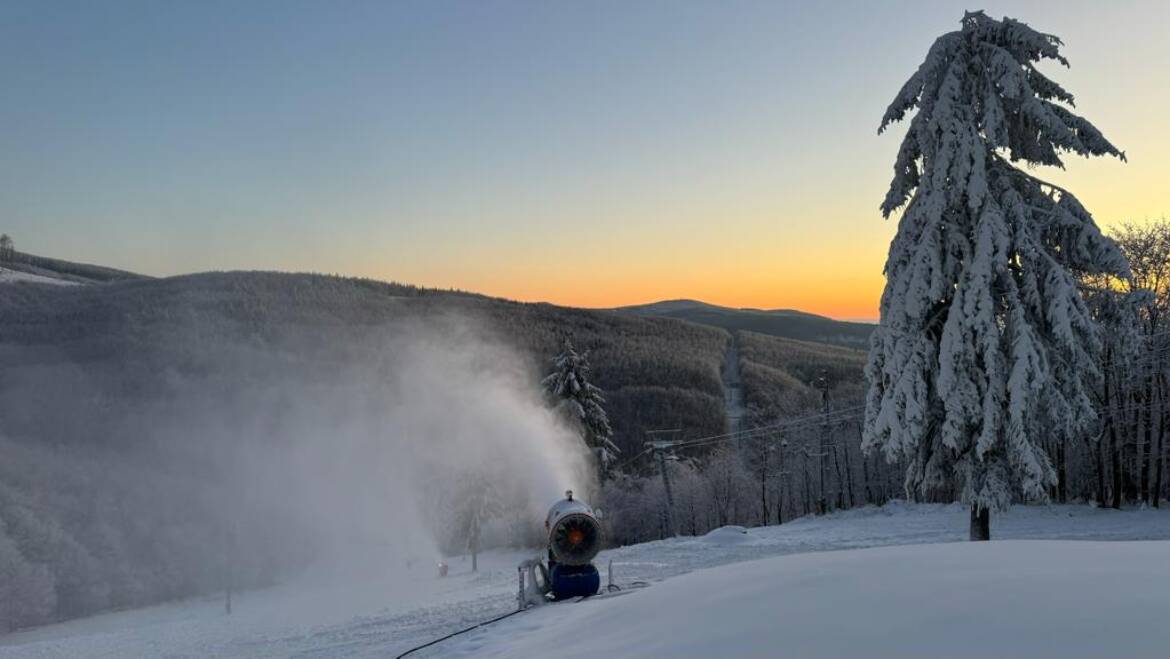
x=999, y=599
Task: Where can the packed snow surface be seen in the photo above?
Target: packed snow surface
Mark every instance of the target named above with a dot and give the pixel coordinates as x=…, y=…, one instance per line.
x=382, y=610
x=1014, y=598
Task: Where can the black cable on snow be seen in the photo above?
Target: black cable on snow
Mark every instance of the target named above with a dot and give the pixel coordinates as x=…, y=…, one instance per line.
x=611, y=588
x=461, y=631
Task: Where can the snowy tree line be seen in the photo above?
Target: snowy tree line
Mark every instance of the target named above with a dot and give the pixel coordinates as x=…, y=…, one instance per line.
x=56, y=268
x=774, y=476
x=772, y=471
x=770, y=479
x=1126, y=464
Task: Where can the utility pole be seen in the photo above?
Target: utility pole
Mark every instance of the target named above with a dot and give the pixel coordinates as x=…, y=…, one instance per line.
x=822, y=383
x=764, y=450
x=660, y=447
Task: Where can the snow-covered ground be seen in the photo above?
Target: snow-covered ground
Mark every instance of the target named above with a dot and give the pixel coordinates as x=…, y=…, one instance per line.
x=15, y=276
x=1015, y=598
x=384, y=612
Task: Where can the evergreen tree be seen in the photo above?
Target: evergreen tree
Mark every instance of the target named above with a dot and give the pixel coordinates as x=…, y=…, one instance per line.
x=582, y=402
x=983, y=329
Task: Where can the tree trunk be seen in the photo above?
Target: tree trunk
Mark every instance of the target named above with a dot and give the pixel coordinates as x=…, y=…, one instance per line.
x=1114, y=448
x=764, y=486
x=1160, y=455
x=1156, y=487
x=785, y=489
x=807, y=481
x=1129, y=450
x=980, y=523
x=1099, y=450
x=848, y=474
x=1145, y=438
x=1158, y=474
x=840, y=478
x=1061, y=473
x=869, y=498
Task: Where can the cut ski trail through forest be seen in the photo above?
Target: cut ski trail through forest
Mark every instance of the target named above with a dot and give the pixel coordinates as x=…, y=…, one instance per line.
x=733, y=387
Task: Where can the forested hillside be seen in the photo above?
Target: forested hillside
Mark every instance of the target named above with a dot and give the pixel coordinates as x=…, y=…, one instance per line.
x=130, y=410
x=654, y=371
x=78, y=273
x=779, y=375
x=784, y=323
x=771, y=470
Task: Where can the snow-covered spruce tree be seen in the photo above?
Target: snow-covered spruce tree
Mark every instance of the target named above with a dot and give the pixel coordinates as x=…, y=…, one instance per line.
x=983, y=330
x=569, y=387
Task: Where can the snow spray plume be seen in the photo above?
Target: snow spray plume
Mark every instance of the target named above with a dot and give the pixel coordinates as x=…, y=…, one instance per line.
x=317, y=441
x=427, y=433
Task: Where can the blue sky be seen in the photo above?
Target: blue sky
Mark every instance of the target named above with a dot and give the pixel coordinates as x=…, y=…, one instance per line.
x=588, y=153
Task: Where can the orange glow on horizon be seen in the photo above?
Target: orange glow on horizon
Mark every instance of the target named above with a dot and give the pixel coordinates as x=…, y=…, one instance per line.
x=739, y=254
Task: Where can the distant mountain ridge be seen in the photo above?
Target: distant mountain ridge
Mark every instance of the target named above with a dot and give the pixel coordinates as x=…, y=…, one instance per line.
x=784, y=323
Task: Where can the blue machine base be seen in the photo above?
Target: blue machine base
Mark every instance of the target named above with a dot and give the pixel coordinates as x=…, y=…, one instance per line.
x=573, y=580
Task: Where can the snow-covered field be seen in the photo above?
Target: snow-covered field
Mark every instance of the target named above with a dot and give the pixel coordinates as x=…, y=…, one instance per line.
x=856, y=598
x=15, y=276
x=1016, y=598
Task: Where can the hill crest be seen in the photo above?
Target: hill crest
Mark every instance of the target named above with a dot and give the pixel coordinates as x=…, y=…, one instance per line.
x=783, y=323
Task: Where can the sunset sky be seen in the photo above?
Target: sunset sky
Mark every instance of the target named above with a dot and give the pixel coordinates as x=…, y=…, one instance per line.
x=583, y=153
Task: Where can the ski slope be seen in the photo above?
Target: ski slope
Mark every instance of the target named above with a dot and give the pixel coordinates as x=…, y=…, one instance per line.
x=1015, y=598
x=373, y=610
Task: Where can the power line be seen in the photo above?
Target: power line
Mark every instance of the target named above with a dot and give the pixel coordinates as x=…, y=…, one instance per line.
x=630, y=460
x=803, y=424
x=811, y=418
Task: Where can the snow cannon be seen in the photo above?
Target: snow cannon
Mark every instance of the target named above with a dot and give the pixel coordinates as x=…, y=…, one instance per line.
x=574, y=538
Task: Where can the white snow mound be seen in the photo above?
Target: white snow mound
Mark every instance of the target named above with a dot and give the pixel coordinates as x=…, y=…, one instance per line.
x=728, y=535
x=1059, y=599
